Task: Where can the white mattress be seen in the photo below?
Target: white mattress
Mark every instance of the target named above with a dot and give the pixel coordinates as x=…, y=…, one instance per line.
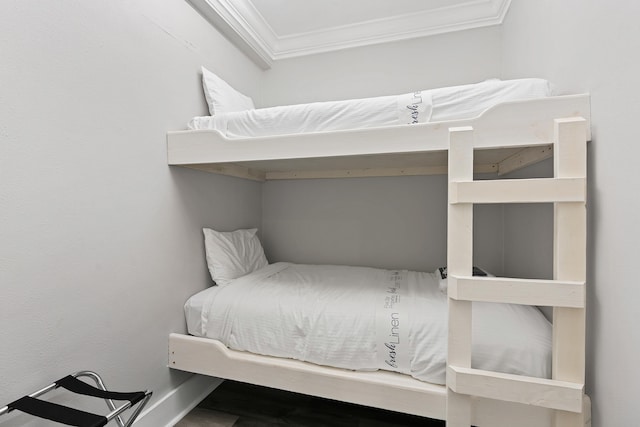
x=364, y=319
x=451, y=103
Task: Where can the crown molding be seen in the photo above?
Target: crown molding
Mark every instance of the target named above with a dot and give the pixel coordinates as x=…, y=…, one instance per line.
x=241, y=23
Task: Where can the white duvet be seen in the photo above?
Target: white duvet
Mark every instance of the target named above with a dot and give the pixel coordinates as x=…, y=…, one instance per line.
x=364, y=319
x=450, y=103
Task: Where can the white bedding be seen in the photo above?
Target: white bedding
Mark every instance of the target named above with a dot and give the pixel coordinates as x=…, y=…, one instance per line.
x=340, y=316
x=451, y=103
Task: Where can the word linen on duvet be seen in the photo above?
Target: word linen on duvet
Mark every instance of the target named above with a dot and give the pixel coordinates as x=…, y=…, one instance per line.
x=392, y=325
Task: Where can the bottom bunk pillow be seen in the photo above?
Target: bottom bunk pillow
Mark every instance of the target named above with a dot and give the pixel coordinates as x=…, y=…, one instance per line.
x=363, y=318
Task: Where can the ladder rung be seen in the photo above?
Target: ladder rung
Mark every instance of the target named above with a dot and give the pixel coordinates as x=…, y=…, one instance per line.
x=553, y=293
x=539, y=190
x=553, y=394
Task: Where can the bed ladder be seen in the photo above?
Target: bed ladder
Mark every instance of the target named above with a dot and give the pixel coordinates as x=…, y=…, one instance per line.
x=564, y=393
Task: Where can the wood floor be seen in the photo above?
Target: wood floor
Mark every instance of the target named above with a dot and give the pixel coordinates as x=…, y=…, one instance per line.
x=244, y=405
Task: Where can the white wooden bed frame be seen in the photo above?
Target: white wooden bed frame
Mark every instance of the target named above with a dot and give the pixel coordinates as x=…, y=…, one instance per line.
x=503, y=139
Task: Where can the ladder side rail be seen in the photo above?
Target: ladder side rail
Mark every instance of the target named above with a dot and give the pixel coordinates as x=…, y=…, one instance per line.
x=459, y=262
x=569, y=261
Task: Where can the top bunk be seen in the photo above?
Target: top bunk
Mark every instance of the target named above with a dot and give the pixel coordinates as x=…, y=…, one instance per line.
x=507, y=136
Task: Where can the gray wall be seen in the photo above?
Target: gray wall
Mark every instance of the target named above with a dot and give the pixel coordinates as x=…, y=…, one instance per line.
x=593, y=47
x=379, y=222
x=100, y=241
x=528, y=231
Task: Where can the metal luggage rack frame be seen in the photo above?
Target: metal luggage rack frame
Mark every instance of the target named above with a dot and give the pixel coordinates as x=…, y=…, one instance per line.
x=74, y=417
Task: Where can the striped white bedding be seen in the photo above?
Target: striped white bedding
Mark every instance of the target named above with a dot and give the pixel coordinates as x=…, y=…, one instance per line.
x=364, y=319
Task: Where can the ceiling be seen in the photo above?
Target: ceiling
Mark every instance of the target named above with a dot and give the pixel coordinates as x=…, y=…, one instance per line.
x=269, y=30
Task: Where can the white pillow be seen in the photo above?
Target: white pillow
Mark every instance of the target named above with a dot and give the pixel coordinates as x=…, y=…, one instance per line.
x=221, y=97
x=232, y=254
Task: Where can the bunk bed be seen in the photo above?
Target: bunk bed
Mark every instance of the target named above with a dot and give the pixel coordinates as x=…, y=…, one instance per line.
x=505, y=137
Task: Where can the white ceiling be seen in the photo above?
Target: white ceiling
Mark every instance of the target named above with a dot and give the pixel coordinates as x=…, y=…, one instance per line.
x=269, y=30
x=290, y=17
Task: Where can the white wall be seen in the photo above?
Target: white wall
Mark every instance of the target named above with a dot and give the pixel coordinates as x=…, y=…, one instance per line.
x=386, y=69
x=593, y=47
x=100, y=241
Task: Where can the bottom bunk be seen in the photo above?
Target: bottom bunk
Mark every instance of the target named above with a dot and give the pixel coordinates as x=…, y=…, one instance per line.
x=364, y=335
x=380, y=389
x=364, y=319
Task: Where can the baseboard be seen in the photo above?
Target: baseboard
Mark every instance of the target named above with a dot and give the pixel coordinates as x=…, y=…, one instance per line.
x=176, y=404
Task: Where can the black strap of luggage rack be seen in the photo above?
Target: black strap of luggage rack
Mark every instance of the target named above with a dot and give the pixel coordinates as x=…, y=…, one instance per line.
x=75, y=417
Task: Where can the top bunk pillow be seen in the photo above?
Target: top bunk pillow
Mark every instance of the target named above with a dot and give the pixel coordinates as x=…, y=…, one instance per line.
x=232, y=254
x=222, y=98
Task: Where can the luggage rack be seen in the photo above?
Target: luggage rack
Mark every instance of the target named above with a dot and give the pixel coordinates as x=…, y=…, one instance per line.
x=74, y=417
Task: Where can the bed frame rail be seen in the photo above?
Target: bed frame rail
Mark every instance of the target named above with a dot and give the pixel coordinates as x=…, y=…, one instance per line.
x=564, y=393
x=386, y=390
x=380, y=389
x=519, y=133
